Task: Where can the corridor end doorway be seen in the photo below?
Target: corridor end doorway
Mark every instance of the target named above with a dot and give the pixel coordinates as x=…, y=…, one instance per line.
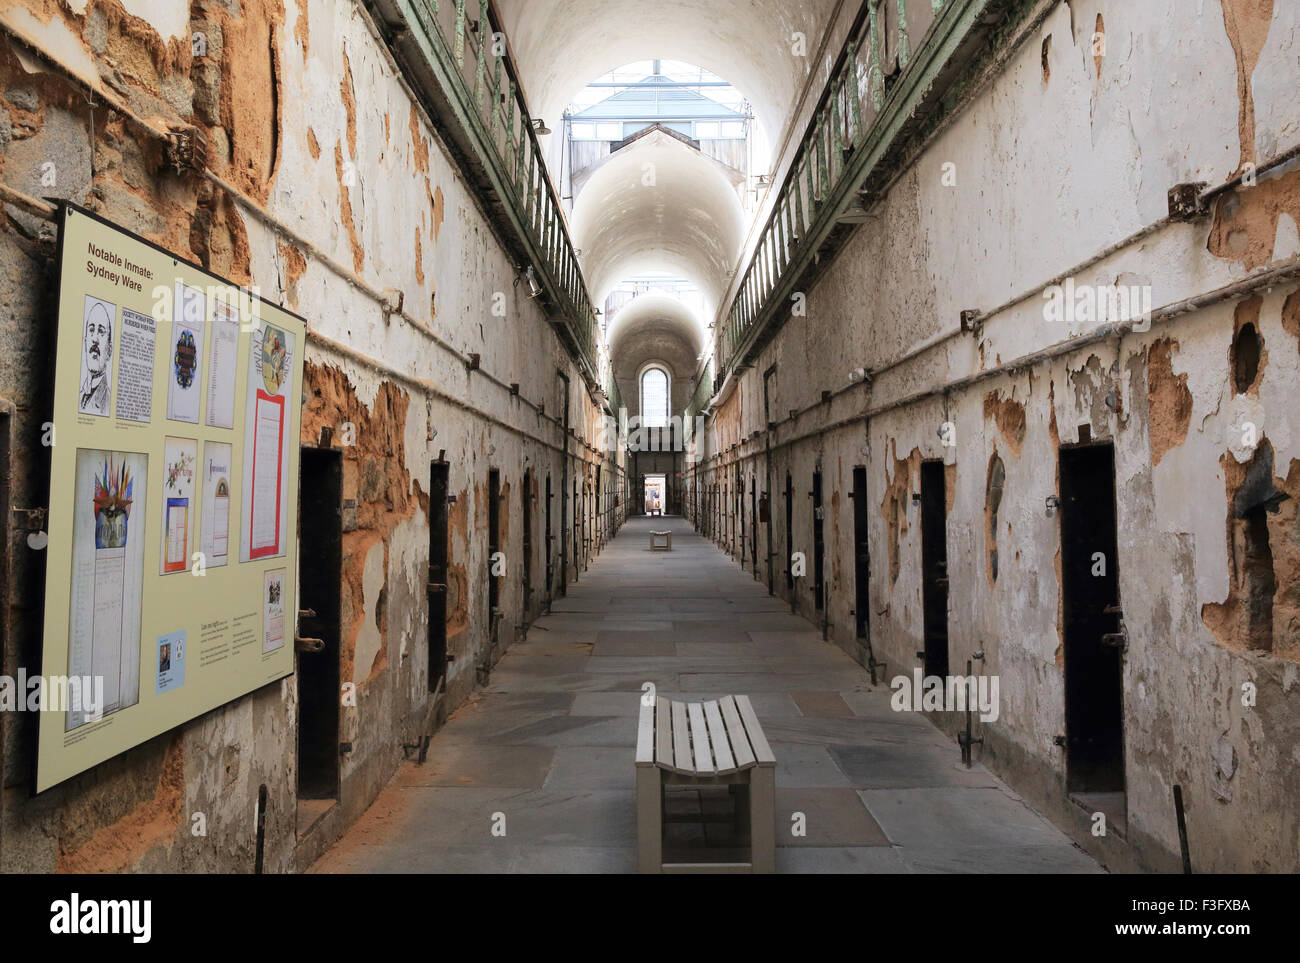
x=656, y=492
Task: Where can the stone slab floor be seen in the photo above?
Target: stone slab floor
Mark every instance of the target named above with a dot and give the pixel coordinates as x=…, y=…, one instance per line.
x=545, y=752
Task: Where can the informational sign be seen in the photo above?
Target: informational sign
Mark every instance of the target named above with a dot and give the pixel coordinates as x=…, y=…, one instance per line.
x=170, y=579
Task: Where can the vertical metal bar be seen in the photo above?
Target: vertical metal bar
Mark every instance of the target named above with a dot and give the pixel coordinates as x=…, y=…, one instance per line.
x=520, y=183
x=876, y=78
x=797, y=181
x=837, y=139
x=459, y=45
x=855, y=95
x=779, y=223
x=819, y=131
x=481, y=60
x=496, y=100
x=904, y=45
x=510, y=133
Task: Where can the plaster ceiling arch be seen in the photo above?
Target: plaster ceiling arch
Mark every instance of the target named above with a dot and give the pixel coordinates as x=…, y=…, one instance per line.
x=559, y=46
x=655, y=327
x=686, y=221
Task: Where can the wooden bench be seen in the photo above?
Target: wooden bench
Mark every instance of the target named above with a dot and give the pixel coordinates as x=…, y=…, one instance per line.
x=715, y=743
x=667, y=545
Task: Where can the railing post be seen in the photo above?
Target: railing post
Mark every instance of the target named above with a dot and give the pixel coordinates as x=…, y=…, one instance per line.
x=459, y=43
x=876, y=79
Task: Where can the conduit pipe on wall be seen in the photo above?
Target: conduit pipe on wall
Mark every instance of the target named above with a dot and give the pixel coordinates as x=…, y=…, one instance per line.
x=1265, y=169
x=1282, y=273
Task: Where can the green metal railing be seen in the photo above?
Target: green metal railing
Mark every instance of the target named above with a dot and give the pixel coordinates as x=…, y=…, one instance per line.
x=466, y=57
x=863, y=113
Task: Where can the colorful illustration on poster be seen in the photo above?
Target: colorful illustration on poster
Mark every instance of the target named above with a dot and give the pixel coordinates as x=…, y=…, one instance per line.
x=135, y=367
x=96, y=356
x=171, y=661
x=183, y=386
x=214, y=525
x=108, y=534
x=180, y=456
x=273, y=354
x=273, y=611
x=265, y=475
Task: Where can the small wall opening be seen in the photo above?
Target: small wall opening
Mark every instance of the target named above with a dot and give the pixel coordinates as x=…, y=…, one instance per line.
x=1247, y=349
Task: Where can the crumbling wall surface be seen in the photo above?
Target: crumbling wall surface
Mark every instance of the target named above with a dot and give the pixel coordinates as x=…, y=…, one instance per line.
x=342, y=180
x=1041, y=171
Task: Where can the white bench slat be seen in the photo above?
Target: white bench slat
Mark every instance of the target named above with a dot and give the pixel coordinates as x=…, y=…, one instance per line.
x=762, y=751
x=736, y=733
x=700, y=738
x=663, y=734
x=723, y=760
x=681, y=739
x=645, y=735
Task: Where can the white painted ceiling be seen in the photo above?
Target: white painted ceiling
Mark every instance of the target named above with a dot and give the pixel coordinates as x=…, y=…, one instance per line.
x=689, y=222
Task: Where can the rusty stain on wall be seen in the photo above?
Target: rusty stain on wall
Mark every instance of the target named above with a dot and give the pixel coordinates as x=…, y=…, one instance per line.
x=436, y=205
x=1246, y=23
x=348, y=95
x=345, y=204
x=250, y=84
x=1168, y=399
x=295, y=265
x=893, y=505
x=420, y=147
x=116, y=847
x=1009, y=416
x=302, y=28
x=457, y=579
x=375, y=477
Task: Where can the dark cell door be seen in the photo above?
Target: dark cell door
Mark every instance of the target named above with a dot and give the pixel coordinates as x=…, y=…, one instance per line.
x=819, y=543
x=1094, y=698
x=494, y=546
x=437, y=589
x=789, y=532
x=527, y=506
x=861, y=553
x=550, y=539
x=934, y=567
x=320, y=570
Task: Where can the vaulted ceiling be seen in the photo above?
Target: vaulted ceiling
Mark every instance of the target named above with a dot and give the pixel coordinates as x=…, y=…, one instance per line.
x=686, y=218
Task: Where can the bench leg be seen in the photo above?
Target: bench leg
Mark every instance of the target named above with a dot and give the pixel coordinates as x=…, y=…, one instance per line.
x=649, y=820
x=762, y=819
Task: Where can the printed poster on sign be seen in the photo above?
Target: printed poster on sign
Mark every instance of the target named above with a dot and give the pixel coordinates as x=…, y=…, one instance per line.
x=108, y=537
x=96, y=356
x=184, y=391
x=223, y=357
x=135, y=367
x=171, y=662
x=214, y=525
x=273, y=611
x=266, y=444
x=180, y=457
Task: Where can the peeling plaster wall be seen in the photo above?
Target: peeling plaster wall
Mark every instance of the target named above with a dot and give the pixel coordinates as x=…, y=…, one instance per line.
x=306, y=116
x=1048, y=172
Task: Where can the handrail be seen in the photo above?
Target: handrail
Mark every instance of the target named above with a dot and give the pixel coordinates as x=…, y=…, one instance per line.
x=469, y=61
x=861, y=114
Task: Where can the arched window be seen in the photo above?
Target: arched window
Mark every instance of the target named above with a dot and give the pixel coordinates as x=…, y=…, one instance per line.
x=654, y=398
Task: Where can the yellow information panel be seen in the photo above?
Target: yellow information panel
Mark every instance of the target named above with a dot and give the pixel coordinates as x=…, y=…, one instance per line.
x=170, y=586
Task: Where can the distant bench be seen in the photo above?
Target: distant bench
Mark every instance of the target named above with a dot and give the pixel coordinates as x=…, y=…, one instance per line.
x=704, y=744
x=667, y=541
